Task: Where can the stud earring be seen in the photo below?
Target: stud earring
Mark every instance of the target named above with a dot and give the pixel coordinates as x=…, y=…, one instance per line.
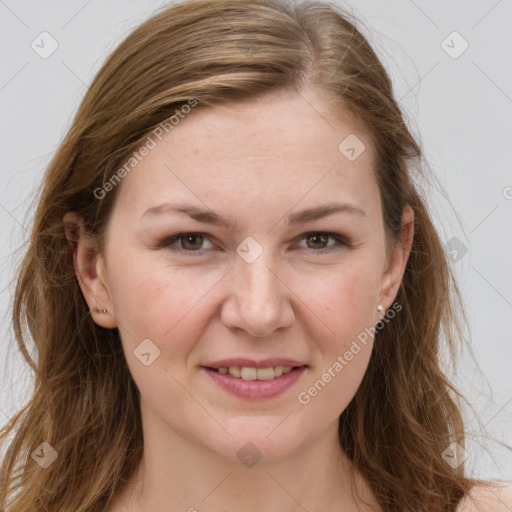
x=100, y=311
x=382, y=310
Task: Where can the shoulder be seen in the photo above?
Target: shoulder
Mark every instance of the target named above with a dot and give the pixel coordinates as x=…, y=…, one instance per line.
x=489, y=498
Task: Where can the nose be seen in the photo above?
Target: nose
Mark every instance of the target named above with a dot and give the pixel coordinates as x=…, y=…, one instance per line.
x=259, y=300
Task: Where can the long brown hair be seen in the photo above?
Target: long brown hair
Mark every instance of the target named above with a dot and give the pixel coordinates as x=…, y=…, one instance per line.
x=85, y=404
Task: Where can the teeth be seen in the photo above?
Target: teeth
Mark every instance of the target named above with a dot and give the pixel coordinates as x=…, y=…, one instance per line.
x=249, y=373
x=234, y=371
x=265, y=373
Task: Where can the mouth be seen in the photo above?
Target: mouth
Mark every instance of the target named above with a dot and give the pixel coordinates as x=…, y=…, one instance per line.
x=255, y=382
x=250, y=373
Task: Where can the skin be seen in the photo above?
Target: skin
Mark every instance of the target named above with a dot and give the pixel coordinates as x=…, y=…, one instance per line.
x=255, y=163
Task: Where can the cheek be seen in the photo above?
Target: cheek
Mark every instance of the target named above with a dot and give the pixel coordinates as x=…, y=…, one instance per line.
x=155, y=299
x=165, y=305
x=160, y=302
x=345, y=303
x=343, y=298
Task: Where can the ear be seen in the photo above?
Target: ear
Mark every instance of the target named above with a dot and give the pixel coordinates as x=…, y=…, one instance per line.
x=90, y=271
x=397, y=260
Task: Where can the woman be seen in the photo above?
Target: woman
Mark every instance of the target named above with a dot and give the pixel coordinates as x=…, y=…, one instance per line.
x=235, y=291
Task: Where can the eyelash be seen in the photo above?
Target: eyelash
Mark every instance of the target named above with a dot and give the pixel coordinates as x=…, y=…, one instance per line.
x=167, y=243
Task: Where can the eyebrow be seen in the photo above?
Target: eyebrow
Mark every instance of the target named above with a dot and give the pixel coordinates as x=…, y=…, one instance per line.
x=210, y=217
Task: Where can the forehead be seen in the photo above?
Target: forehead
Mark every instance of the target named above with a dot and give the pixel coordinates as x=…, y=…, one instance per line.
x=296, y=126
x=274, y=151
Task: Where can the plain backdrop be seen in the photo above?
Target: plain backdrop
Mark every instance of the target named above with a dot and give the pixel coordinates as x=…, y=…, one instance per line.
x=450, y=64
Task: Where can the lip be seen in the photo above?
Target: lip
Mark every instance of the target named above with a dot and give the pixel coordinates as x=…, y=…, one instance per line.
x=244, y=361
x=255, y=389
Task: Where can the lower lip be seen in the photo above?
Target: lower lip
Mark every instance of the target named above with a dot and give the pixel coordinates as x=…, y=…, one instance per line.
x=255, y=388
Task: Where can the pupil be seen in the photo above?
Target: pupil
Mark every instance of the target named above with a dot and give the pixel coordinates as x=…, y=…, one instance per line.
x=191, y=237
x=316, y=237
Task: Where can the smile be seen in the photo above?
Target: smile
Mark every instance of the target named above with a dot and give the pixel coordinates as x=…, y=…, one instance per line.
x=255, y=383
x=251, y=373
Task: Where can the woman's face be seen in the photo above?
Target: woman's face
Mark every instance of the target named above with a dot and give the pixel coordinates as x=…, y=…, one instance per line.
x=261, y=285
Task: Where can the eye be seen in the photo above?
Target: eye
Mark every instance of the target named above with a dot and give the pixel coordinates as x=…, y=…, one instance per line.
x=191, y=243
x=319, y=238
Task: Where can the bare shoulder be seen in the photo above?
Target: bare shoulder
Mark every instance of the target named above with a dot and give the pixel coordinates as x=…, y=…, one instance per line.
x=489, y=498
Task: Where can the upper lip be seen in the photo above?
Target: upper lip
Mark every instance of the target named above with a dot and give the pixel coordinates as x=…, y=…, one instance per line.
x=244, y=361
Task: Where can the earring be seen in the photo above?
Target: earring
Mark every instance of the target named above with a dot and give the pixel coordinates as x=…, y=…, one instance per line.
x=100, y=311
x=382, y=311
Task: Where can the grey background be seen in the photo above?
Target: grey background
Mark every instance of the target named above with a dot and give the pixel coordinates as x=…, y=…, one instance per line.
x=459, y=109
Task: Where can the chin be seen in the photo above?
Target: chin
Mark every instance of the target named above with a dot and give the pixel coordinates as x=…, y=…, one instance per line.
x=254, y=441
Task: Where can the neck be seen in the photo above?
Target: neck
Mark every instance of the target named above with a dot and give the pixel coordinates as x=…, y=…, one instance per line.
x=178, y=475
